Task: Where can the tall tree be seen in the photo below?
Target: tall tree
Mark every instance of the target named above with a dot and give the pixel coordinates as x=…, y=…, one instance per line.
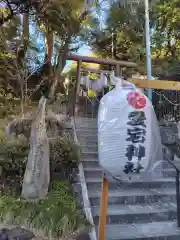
x=167, y=28
x=123, y=35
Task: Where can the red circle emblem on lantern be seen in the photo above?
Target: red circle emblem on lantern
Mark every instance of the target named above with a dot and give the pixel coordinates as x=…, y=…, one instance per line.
x=136, y=100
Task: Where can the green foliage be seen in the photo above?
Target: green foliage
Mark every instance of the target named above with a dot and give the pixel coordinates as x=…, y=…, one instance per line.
x=59, y=22
x=13, y=158
x=64, y=156
x=8, y=103
x=61, y=17
x=167, y=68
x=8, y=45
x=64, y=151
x=125, y=30
x=12, y=147
x=166, y=38
x=56, y=215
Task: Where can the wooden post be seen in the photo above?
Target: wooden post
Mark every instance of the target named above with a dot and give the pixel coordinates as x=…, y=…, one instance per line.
x=78, y=77
x=156, y=84
x=77, y=86
x=103, y=209
x=118, y=71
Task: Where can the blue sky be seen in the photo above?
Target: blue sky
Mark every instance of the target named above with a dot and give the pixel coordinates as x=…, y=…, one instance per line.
x=39, y=42
x=84, y=51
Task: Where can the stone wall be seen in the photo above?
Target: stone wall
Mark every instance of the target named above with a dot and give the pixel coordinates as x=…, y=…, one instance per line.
x=170, y=140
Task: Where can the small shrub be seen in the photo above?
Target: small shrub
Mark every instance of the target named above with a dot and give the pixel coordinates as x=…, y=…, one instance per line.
x=13, y=154
x=64, y=158
x=14, y=146
x=64, y=151
x=8, y=103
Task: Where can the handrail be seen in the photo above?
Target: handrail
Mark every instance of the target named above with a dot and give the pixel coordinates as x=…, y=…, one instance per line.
x=87, y=98
x=177, y=185
x=170, y=138
x=85, y=196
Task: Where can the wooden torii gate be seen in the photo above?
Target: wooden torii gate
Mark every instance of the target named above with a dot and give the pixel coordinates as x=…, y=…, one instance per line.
x=140, y=83
x=153, y=84
x=81, y=59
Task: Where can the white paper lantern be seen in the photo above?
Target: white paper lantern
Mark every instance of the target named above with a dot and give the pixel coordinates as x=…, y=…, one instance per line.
x=128, y=135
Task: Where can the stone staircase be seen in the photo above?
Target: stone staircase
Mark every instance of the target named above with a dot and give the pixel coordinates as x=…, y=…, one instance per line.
x=142, y=211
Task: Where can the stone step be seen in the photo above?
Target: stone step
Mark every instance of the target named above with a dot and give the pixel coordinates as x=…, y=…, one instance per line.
x=166, y=164
x=134, y=196
x=89, y=147
x=84, y=119
x=97, y=172
x=91, y=123
x=89, y=154
x=95, y=183
x=93, y=172
x=81, y=120
x=169, y=173
x=88, y=141
x=120, y=214
x=86, y=129
x=149, y=231
x=83, y=134
x=86, y=126
x=90, y=163
x=87, y=114
x=88, y=135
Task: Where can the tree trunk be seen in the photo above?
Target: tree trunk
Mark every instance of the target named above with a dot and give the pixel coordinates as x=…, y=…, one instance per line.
x=49, y=51
x=49, y=44
x=59, y=68
x=21, y=60
x=57, y=75
x=25, y=31
x=25, y=39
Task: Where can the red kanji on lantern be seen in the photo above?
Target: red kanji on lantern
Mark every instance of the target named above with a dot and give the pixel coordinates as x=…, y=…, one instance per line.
x=136, y=100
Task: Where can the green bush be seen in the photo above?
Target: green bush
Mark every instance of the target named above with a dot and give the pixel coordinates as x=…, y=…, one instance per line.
x=12, y=147
x=8, y=103
x=64, y=156
x=13, y=158
x=64, y=151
